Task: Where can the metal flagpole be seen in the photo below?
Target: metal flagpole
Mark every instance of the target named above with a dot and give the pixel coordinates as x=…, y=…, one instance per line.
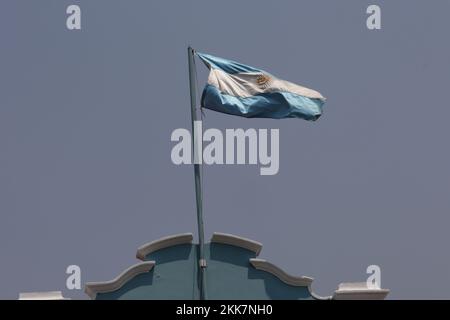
x=196, y=138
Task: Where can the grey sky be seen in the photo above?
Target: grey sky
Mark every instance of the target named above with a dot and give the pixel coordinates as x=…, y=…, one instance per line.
x=86, y=118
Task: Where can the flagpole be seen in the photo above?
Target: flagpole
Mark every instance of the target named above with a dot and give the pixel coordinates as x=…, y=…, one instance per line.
x=198, y=186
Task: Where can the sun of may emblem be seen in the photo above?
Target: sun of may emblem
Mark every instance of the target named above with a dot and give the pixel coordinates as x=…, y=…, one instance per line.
x=263, y=80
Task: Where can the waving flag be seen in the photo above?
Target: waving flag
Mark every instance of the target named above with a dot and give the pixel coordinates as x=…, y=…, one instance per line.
x=245, y=91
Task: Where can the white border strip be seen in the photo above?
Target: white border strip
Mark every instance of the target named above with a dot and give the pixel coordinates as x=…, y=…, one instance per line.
x=92, y=288
x=263, y=265
x=146, y=249
x=233, y=240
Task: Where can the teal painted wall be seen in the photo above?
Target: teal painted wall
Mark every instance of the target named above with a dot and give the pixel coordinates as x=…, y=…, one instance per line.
x=229, y=275
x=172, y=277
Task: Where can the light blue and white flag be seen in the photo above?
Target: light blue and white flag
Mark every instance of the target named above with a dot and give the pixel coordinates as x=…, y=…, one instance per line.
x=245, y=91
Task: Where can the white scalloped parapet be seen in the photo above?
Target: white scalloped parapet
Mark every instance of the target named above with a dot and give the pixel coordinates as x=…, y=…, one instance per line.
x=92, y=288
x=233, y=240
x=302, y=281
x=46, y=295
x=146, y=249
x=263, y=265
x=359, y=291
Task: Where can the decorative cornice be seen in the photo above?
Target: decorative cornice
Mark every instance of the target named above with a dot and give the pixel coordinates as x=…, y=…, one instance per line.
x=237, y=241
x=47, y=295
x=92, y=288
x=359, y=291
x=263, y=265
x=146, y=249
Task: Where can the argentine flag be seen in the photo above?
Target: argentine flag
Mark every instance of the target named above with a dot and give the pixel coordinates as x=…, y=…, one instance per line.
x=245, y=91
